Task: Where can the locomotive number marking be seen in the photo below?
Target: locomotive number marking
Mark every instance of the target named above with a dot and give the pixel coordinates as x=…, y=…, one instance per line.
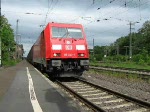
x=69, y=54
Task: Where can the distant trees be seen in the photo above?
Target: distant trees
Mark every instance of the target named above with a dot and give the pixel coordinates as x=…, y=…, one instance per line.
x=99, y=52
x=144, y=32
x=7, y=41
x=119, y=50
x=140, y=40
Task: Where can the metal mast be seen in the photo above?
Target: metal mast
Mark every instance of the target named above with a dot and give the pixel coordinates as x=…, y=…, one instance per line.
x=130, y=38
x=130, y=43
x=17, y=40
x=0, y=38
x=93, y=46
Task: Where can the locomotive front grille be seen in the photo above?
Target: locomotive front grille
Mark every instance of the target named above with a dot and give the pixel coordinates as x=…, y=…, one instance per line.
x=84, y=62
x=56, y=63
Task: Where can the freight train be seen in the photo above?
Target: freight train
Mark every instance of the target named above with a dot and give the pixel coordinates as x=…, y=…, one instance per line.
x=61, y=50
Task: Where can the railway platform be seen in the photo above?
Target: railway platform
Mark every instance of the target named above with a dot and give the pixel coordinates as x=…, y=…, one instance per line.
x=24, y=89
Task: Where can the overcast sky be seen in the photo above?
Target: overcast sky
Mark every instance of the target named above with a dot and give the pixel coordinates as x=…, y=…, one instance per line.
x=103, y=20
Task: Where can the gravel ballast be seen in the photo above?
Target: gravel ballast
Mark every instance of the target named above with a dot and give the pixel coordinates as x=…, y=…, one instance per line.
x=134, y=88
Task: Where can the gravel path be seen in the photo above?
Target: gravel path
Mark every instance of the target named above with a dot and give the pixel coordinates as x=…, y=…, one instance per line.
x=137, y=89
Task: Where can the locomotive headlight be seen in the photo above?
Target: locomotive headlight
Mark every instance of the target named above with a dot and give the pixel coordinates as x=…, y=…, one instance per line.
x=56, y=54
x=81, y=55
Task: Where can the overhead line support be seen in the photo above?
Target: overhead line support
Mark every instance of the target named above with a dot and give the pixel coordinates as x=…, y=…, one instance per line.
x=0, y=37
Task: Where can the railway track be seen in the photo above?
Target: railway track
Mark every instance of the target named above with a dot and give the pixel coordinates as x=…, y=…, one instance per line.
x=101, y=99
x=130, y=71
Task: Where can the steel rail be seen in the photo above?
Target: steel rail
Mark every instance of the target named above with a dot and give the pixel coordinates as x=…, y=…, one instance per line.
x=125, y=68
x=85, y=101
x=93, y=106
x=128, y=98
x=121, y=70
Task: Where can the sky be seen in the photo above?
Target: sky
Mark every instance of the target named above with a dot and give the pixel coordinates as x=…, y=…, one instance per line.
x=103, y=20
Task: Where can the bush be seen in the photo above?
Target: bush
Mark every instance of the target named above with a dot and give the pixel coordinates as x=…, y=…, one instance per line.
x=141, y=61
x=148, y=62
x=115, y=58
x=137, y=58
x=10, y=62
x=141, y=58
x=98, y=57
x=92, y=58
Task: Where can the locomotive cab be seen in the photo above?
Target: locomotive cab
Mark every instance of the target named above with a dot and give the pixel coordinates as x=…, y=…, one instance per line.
x=69, y=53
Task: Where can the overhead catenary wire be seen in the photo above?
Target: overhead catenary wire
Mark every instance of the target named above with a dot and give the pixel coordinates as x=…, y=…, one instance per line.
x=18, y=12
x=109, y=13
x=114, y=16
x=111, y=1
x=88, y=8
x=103, y=17
x=50, y=8
x=140, y=8
x=49, y=5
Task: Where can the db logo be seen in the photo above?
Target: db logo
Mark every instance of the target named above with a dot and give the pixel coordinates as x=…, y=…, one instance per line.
x=68, y=47
x=68, y=42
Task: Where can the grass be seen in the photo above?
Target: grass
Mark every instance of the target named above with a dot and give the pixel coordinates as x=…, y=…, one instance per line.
x=9, y=63
x=46, y=75
x=122, y=64
x=131, y=77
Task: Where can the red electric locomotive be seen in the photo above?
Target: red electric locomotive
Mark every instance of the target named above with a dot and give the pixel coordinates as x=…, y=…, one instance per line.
x=61, y=50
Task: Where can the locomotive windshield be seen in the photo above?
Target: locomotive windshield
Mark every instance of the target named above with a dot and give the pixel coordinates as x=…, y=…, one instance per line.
x=58, y=32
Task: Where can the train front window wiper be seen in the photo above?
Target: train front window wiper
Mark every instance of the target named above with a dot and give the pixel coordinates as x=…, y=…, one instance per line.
x=67, y=34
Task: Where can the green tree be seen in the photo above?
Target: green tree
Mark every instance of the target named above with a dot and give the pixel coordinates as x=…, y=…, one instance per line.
x=140, y=45
x=145, y=35
x=7, y=40
x=99, y=52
